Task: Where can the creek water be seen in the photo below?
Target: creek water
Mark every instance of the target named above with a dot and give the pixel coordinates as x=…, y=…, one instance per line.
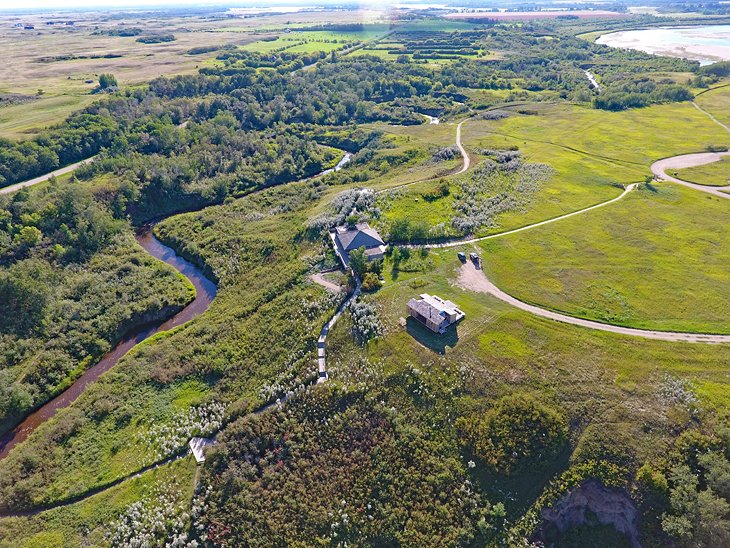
x=205, y=292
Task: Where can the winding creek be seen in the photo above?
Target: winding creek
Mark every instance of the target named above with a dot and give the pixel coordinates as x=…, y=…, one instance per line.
x=205, y=292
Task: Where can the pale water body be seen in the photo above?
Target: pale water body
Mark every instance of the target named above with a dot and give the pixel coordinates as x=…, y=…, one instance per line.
x=707, y=44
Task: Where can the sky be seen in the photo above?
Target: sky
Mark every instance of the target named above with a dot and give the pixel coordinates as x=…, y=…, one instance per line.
x=56, y=4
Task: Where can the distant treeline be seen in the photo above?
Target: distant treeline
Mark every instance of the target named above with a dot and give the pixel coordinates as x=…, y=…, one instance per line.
x=361, y=89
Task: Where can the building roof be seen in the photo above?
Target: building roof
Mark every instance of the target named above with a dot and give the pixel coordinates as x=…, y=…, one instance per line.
x=361, y=235
x=434, y=308
x=197, y=448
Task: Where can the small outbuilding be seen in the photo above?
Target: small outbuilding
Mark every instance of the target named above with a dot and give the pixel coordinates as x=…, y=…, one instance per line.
x=197, y=448
x=434, y=312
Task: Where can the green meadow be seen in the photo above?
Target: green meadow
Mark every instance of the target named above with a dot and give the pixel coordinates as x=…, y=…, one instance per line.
x=717, y=102
x=611, y=380
x=308, y=41
x=87, y=523
x=589, y=166
x=656, y=260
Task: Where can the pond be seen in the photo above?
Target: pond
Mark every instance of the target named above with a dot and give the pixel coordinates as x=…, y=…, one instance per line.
x=706, y=44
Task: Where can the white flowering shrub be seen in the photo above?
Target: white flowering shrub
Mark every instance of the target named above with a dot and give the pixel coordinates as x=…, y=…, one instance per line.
x=168, y=438
x=300, y=366
x=447, y=153
x=197, y=511
x=292, y=379
x=159, y=519
x=500, y=184
x=674, y=391
x=365, y=320
x=497, y=114
x=357, y=202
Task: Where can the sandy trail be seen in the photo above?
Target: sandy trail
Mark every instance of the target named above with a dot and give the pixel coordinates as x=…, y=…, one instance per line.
x=464, y=155
x=474, y=279
x=319, y=278
x=455, y=243
x=660, y=168
x=703, y=111
x=36, y=180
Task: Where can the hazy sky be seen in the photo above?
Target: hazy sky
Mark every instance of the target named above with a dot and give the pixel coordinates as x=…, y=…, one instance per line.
x=55, y=4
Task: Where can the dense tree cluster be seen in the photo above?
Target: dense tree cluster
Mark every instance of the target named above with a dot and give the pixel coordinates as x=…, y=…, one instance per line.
x=686, y=495
x=336, y=468
x=518, y=432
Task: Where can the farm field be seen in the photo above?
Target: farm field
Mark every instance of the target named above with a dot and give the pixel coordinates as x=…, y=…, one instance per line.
x=309, y=41
x=65, y=62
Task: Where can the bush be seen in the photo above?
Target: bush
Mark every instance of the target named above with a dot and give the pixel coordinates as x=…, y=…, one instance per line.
x=370, y=282
x=107, y=81
x=157, y=39
x=441, y=191
x=365, y=322
x=516, y=432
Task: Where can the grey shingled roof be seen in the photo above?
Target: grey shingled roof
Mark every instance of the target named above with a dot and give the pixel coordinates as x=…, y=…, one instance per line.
x=360, y=236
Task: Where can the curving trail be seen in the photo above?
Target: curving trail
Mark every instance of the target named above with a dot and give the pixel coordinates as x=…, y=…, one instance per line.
x=464, y=155
x=455, y=243
x=703, y=111
x=42, y=178
x=660, y=168
x=206, y=291
x=474, y=279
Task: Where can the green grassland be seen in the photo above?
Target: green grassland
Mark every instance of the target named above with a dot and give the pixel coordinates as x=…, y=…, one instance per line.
x=593, y=153
x=23, y=120
x=714, y=174
x=88, y=522
x=376, y=52
x=589, y=166
x=610, y=136
x=385, y=429
x=717, y=102
x=298, y=41
x=67, y=84
x=409, y=205
x=655, y=260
